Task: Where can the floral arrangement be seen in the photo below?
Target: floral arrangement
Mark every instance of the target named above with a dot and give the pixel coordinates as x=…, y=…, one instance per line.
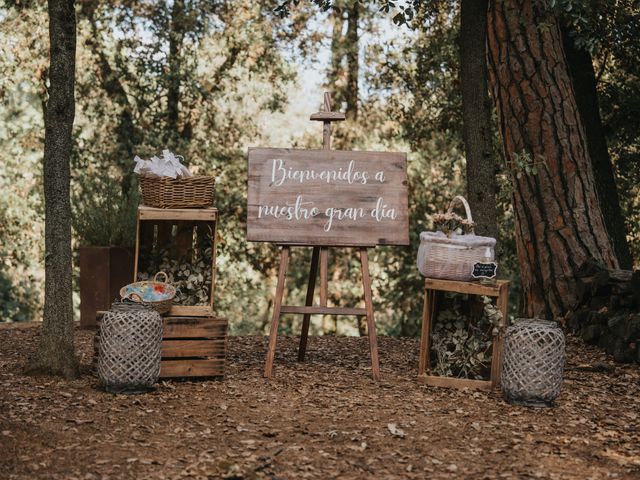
x=449, y=223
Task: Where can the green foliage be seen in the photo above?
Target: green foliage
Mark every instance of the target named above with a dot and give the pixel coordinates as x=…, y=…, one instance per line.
x=234, y=62
x=103, y=215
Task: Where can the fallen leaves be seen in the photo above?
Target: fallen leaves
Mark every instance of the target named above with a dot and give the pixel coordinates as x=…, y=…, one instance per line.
x=395, y=431
x=324, y=418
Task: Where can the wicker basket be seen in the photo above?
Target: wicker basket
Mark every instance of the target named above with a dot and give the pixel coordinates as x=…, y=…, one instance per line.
x=129, y=348
x=136, y=291
x=533, y=363
x=452, y=257
x=187, y=192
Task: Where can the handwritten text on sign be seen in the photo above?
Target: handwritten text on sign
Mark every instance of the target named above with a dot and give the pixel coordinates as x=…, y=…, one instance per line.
x=327, y=197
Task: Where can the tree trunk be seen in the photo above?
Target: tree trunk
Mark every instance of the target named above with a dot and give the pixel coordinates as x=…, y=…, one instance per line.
x=559, y=225
x=351, y=90
x=127, y=134
x=176, y=37
x=476, y=117
x=336, y=70
x=584, y=86
x=56, y=354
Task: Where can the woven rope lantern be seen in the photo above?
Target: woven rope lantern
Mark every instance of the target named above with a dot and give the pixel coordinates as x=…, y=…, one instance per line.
x=533, y=362
x=130, y=342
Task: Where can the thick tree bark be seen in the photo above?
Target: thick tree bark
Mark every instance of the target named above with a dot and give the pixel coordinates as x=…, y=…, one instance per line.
x=353, y=66
x=476, y=117
x=558, y=219
x=56, y=354
x=584, y=86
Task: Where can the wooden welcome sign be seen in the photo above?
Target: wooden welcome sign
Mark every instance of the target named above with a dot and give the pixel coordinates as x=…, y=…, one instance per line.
x=327, y=197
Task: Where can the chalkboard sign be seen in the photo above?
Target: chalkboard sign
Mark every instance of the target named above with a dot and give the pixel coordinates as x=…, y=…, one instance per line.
x=484, y=270
x=327, y=197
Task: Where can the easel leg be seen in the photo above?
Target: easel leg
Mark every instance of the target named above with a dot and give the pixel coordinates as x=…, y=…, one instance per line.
x=371, y=325
x=324, y=255
x=277, y=304
x=311, y=286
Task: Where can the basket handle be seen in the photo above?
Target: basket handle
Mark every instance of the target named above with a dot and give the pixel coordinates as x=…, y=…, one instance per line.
x=166, y=277
x=460, y=199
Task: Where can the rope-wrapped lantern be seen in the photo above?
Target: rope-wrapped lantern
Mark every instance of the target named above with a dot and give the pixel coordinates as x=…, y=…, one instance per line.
x=130, y=343
x=533, y=362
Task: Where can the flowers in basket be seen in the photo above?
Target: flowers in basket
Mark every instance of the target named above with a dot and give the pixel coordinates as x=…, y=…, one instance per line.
x=450, y=222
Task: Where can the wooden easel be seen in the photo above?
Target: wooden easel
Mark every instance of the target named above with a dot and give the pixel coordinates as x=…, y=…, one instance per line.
x=320, y=256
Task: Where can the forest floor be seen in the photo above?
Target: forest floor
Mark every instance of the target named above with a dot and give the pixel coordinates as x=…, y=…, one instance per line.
x=322, y=419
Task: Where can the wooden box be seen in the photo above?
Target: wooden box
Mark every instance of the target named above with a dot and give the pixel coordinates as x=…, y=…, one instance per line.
x=500, y=291
x=103, y=271
x=191, y=347
x=169, y=239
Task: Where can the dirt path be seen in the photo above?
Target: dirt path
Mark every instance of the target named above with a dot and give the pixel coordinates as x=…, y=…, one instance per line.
x=323, y=419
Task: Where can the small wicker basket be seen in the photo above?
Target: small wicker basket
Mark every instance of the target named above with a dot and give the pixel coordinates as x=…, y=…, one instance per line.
x=533, y=365
x=453, y=257
x=129, y=348
x=186, y=192
x=138, y=292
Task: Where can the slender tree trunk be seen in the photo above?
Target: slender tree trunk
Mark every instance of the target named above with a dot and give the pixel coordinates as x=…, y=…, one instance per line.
x=559, y=224
x=584, y=85
x=176, y=38
x=336, y=70
x=353, y=68
x=476, y=116
x=56, y=354
x=127, y=135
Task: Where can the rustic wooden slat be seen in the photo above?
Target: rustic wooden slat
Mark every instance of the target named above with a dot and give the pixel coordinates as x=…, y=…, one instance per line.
x=371, y=324
x=191, y=310
x=189, y=327
x=192, y=368
x=473, y=288
x=324, y=260
x=498, y=343
x=423, y=361
x=336, y=194
x=311, y=285
x=328, y=116
x=277, y=304
x=448, y=382
x=361, y=312
x=193, y=348
x=149, y=213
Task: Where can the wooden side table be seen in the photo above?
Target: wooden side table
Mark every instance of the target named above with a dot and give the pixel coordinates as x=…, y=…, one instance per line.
x=176, y=229
x=431, y=288
x=194, y=340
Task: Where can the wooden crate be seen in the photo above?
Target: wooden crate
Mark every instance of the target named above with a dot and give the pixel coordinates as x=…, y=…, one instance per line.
x=176, y=232
x=191, y=347
x=431, y=288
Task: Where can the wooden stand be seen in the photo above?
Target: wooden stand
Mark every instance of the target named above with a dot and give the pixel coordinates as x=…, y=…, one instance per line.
x=194, y=340
x=177, y=228
x=431, y=288
x=191, y=346
x=320, y=257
